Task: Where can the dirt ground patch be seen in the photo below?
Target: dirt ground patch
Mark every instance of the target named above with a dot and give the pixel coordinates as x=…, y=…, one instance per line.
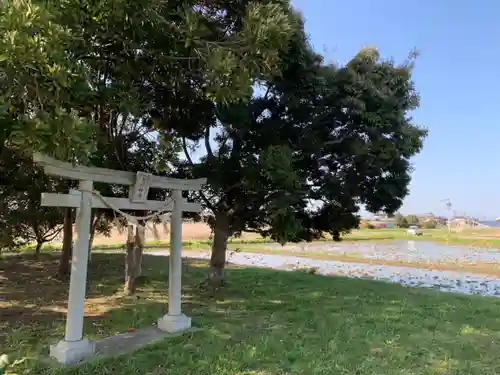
x=480, y=233
x=190, y=232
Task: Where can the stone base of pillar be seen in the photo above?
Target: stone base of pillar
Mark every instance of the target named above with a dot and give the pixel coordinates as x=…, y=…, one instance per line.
x=174, y=323
x=69, y=352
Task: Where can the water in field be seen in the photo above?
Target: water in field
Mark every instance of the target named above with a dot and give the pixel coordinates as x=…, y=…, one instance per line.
x=449, y=281
x=408, y=251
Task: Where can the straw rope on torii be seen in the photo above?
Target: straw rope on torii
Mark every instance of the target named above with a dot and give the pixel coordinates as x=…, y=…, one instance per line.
x=163, y=213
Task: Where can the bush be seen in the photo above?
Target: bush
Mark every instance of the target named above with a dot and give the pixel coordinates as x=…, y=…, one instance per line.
x=412, y=220
x=400, y=221
x=366, y=225
x=429, y=224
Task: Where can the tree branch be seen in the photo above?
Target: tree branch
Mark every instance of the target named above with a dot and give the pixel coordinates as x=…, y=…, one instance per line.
x=210, y=153
x=337, y=141
x=186, y=152
x=207, y=201
x=248, y=230
x=120, y=129
x=50, y=237
x=267, y=92
x=221, y=147
x=188, y=157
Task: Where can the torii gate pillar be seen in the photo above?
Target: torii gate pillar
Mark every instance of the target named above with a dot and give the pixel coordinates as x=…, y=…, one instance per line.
x=175, y=320
x=75, y=347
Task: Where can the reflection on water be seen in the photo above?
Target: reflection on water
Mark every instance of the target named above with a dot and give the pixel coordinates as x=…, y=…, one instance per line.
x=409, y=251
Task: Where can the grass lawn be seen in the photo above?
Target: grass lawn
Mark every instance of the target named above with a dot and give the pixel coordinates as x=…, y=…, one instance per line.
x=264, y=322
x=488, y=237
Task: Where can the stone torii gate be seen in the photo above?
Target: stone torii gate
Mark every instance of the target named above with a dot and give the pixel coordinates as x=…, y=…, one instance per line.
x=74, y=347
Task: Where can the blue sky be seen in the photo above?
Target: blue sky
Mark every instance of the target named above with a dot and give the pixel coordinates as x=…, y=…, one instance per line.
x=457, y=77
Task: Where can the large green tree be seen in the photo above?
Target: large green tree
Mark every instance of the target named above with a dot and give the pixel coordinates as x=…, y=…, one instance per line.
x=297, y=161
x=41, y=84
x=68, y=65
x=160, y=58
x=84, y=76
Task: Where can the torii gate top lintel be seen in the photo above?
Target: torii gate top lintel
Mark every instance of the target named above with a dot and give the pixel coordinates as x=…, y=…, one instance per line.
x=59, y=168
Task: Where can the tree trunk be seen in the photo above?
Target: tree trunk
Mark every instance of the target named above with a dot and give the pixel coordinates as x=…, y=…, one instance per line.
x=133, y=257
x=94, y=219
x=139, y=249
x=38, y=248
x=129, y=287
x=219, y=247
x=67, y=247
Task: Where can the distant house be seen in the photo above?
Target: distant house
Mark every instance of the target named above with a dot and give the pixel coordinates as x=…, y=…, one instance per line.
x=465, y=221
x=382, y=221
x=440, y=220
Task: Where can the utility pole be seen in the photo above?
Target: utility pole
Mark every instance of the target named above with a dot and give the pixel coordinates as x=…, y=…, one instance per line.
x=447, y=202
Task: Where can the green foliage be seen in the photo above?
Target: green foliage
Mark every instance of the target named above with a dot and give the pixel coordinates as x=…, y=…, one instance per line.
x=412, y=220
x=276, y=170
x=400, y=221
x=430, y=224
x=21, y=216
x=60, y=59
x=39, y=83
x=366, y=225
x=295, y=162
x=235, y=61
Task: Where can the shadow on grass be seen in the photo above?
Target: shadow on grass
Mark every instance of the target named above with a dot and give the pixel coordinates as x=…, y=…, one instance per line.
x=269, y=322
x=30, y=281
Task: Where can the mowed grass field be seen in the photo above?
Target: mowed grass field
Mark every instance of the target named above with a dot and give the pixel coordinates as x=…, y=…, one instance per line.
x=480, y=237
x=264, y=322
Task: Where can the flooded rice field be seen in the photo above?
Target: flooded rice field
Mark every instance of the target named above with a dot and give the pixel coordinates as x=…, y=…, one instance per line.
x=411, y=251
x=407, y=251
